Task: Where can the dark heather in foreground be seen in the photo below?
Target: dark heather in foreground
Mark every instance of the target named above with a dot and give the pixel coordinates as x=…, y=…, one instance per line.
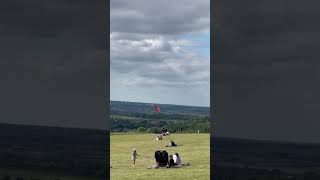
x=55, y=151
x=243, y=159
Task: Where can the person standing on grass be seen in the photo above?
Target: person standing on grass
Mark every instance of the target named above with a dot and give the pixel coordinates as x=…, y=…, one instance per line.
x=134, y=156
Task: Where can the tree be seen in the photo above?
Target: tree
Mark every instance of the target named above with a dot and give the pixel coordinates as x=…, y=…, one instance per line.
x=153, y=130
x=141, y=129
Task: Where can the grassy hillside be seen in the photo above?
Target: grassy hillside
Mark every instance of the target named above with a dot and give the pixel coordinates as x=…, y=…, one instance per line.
x=195, y=150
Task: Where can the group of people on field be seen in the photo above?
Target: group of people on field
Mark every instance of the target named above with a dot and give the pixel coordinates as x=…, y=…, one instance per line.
x=174, y=159
x=174, y=162
x=165, y=132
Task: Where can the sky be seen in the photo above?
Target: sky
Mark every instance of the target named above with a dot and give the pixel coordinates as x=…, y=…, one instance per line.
x=267, y=70
x=159, y=51
x=53, y=63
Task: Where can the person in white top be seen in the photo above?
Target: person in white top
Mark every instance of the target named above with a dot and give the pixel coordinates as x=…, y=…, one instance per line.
x=177, y=159
x=134, y=156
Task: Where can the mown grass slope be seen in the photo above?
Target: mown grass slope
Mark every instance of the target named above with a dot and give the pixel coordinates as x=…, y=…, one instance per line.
x=195, y=149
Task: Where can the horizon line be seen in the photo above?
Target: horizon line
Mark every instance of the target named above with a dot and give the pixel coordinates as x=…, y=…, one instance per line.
x=161, y=103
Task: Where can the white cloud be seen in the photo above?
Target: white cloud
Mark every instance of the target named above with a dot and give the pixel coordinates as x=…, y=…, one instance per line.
x=159, y=58
x=147, y=45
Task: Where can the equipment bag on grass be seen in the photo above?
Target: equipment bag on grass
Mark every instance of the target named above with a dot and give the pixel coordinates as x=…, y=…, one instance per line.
x=162, y=158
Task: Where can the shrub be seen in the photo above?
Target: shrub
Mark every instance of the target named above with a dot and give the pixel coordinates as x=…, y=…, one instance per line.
x=141, y=129
x=153, y=130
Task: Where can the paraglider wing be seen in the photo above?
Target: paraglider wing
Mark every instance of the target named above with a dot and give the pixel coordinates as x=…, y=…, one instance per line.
x=156, y=108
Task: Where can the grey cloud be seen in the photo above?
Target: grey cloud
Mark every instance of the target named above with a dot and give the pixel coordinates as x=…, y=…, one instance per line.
x=149, y=52
x=154, y=82
x=159, y=58
x=155, y=49
x=160, y=17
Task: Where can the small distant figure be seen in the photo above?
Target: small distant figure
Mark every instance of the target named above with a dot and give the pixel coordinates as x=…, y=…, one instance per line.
x=181, y=130
x=198, y=131
x=134, y=156
x=165, y=132
x=158, y=138
x=171, y=143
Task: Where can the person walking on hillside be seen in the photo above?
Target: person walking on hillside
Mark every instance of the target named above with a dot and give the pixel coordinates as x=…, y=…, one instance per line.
x=134, y=156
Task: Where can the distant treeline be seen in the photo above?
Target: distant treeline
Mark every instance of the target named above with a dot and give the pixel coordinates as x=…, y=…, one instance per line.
x=162, y=116
x=132, y=107
x=140, y=117
x=154, y=123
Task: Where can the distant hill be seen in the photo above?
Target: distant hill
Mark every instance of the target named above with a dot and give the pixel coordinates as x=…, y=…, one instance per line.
x=140, y=117
x=137, y=107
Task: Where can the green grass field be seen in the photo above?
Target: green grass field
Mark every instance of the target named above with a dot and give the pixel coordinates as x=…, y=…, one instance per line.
x=195, y=149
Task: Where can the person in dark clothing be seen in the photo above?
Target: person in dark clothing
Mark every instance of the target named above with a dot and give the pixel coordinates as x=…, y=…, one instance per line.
x=171, y=162
x=171, y=143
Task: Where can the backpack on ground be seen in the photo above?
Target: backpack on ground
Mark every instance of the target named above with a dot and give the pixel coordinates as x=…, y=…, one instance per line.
x=162, y=158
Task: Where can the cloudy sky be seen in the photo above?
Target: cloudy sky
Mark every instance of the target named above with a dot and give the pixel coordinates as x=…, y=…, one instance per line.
x=267, y=70
x=160, y=51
